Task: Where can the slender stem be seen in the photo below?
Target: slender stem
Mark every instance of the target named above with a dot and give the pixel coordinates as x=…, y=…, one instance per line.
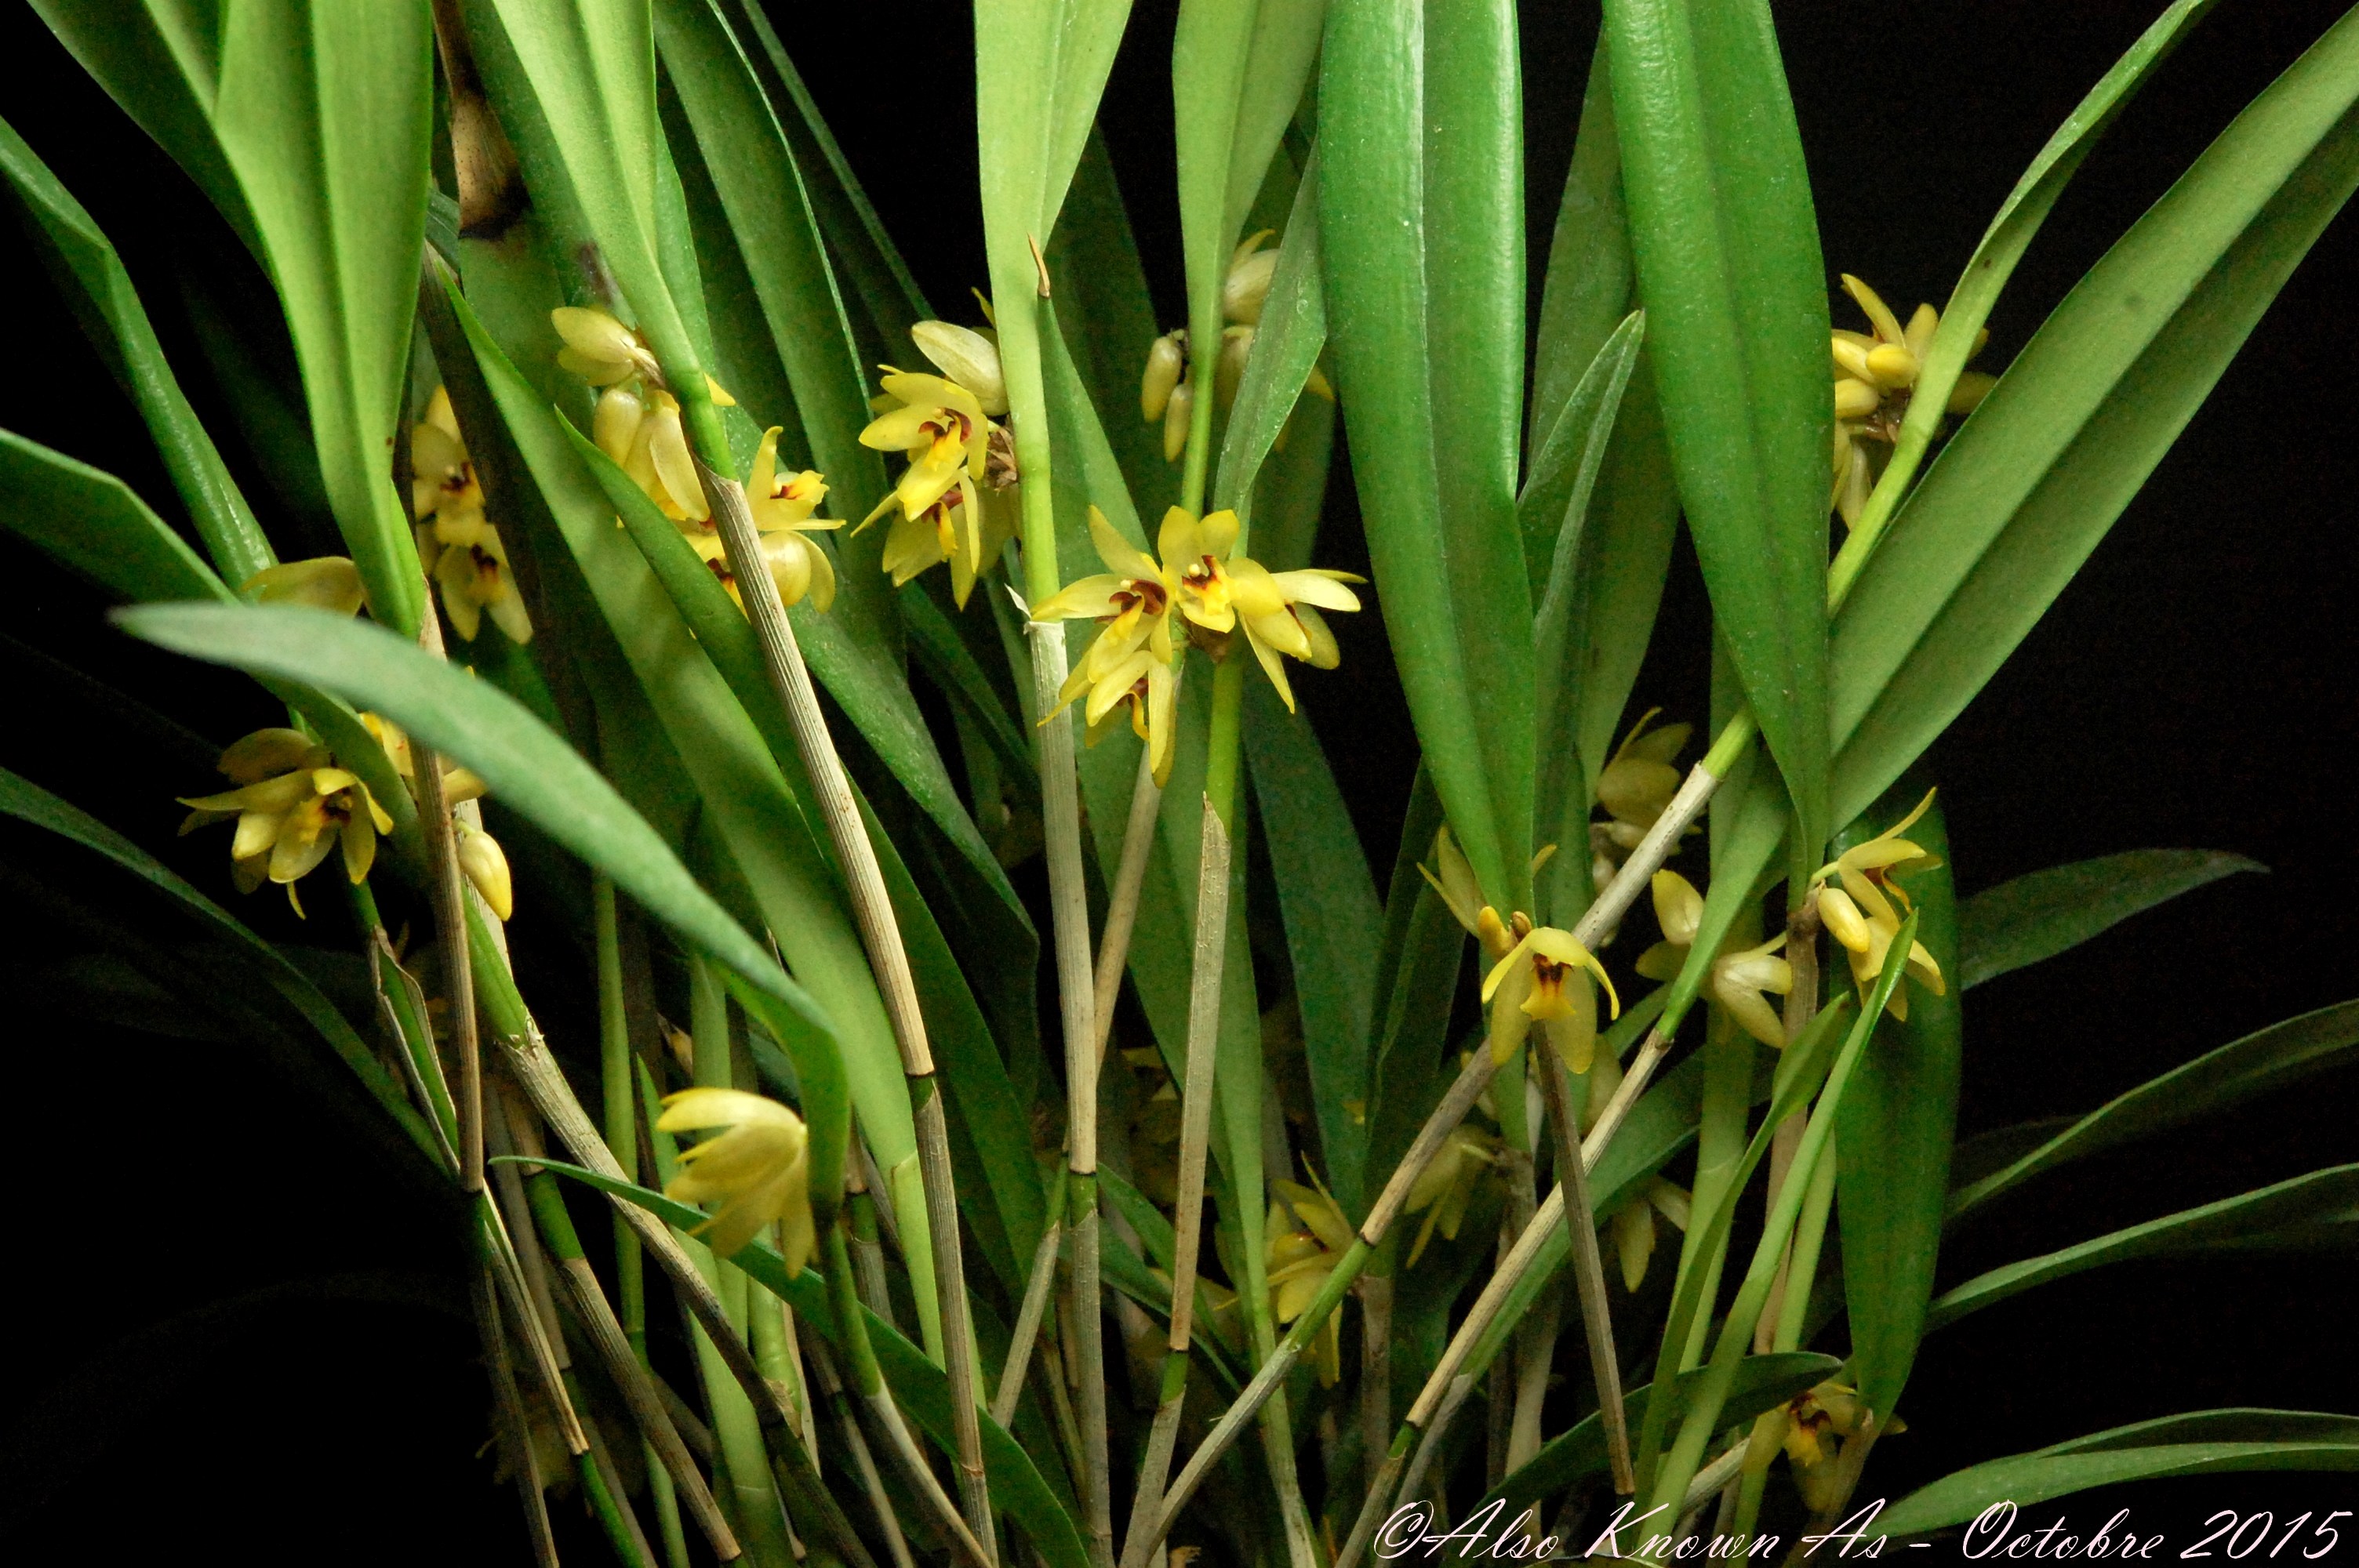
x=1588, y=1269
x=601, y=1485
x=1036, y=1301
x=516, y=1435
x=618, y=1096
x=864, y=1463
x=880, y=935
x=1377, y=1358
x=449, y=901
x=404, y=1005
x=516, y=1296
x=1801, y=1006
x=1122, y=903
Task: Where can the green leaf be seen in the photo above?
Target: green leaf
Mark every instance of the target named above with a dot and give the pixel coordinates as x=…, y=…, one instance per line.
x=1277, y=69
x=1328, y=901
x=1588, y=286
x=2204, y=1442
x=98, y=289
x=2325, y=1201
x=2047, y=912
x=1726, y=241
x=28, y=802
x=1763, y=1382
x=164, y=67
x=1894, y=1130
x=2024, y=493
x=1286, y=347
x=1554, y=502
x=1420, y=162
x=324, y=112
x=2241, y=1070
x=1109, y=322
x=919, y=1386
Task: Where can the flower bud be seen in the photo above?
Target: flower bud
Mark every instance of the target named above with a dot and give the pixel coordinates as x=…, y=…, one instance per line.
x=1165, y=361
x=1178, y=413
x=615, y=425
x=481, y=858
x=1892, y=365
x=1678, y=908
x=1247, y=288
x=1855, y=399
x=328, y=582
x=1229, y=372
x=966, y=357
x=1850, y=356
x=1843, y=919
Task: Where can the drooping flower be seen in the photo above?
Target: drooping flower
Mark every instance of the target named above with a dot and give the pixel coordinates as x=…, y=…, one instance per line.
x=1299, y=1257
x=1737, y=980
x=1544, y=979
x=940, y=426
x=1634, y=1227
x=328, y=582
x=969, y=358
x=601, y=350
x=1447, y=1185
x=1635, y=787
x=1131, y=658
x=1875, y=372
x=758, y=1169
x=637, y=419
x=967, y=526
x=782, y=504
x=459, y=548
x=1861, y=912
x=292, y=806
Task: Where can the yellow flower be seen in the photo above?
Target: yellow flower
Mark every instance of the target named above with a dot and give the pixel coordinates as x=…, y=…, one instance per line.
x=1635, y=787
x=458, y=549
x=1818, y=1421
x=486, y=866
x=1874, y=374
x=1300, y=1260
x=970, y=359
x=782, y=504
x=1445, y=1187
x=940, y=426
x=292, y=806
x=1634, y=1227
x=966, y=526
x=1861, y=914
x=1131, y=658
x=1544, y=979
x=328, y=582
x=1218, y=590
x=1737, y=980
x=759, y=1169
x=601, y=350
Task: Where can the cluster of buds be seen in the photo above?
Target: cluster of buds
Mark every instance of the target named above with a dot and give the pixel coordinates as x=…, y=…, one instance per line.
x=1203, y=589
x=1875, y=372
x=1635, y=787
x=1166, y=392
x=459, y=548
x=637, y=424
x=956, y=500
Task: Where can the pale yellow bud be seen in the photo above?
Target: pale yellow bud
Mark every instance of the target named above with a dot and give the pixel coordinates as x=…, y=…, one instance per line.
x=1892, y=365
x=1851, y=359
x=1177, y=415
x=615, y=425
x=329, y=582
x=1678, y=908
x=481, y=858
x=966, y=357
x=1165, y=361
x=1247, y=288
x=1236, y=347
x=1855, y=399
x=1843, y=921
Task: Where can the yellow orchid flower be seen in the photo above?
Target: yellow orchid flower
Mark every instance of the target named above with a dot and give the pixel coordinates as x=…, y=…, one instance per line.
x=1131, y=658
x=601, y=350
x=1874, y=374
x=969, y=358
x=459, y=549
x=292, y=806
x=758, y=1169
x=940, y=426
x=968, y=526
x=1634, y=786
x=1544, y=979
x=1220, y=590
x=328, y=582
x=1300, y=1260
x=1860, y=914
x=782, y=504
x=1635, y=1231
x=1737, y=979
x=1446, y=1186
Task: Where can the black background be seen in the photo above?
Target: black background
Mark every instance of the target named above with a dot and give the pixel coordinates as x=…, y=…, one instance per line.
x=2192, y=687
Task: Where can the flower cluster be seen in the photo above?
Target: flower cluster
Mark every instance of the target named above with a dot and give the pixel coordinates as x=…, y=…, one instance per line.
x=459, y=549
x=293, y=805
x=1538, y=974
x=1166, y=392
x=1874, y=374
x=1635, y=787
x=1305, y=1234
x=1203, y=588
x=1860, y=914
x=954, y=500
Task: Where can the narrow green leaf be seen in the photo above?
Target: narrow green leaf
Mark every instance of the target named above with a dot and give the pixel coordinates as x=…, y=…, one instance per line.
x=1554, y=501
x=1109, y=322
x=2047, y=912
x=1286, y=347
x=1328, y=901
x=2328, y=1198
x=2206, y=1443
x=1725, y=240
x=2024, y=491
x=1285, y=43
x=1894, y=1130
x=324, y=112
x=2280, y=1054
x=1430, y=382
x=1588, y=287
x=28, y=802
x=1763, y=1382
x=919, y=1386
x=98, y=289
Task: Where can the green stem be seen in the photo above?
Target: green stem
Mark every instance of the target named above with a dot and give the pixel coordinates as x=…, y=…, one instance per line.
x=1228, y=710
x=416, y=1038
x=612, y=1512
x=619, y=1100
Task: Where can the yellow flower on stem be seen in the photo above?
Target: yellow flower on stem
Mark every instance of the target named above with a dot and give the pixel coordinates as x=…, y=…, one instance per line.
x=1737, y=980
x=940, y=426
x=758, y=1169
x=782, y=504
x=1220, y=590
x=1861, y=912
x=601, y=350
x=459, y=549
x=292, y=806
x=1447, y=1185
x=966, y=526
x=328, y=582
x=1875, y=372
x=1544, y=979
x=1131, y=658
x=1299, y=1257
x=969, y=358
x=443, y=483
